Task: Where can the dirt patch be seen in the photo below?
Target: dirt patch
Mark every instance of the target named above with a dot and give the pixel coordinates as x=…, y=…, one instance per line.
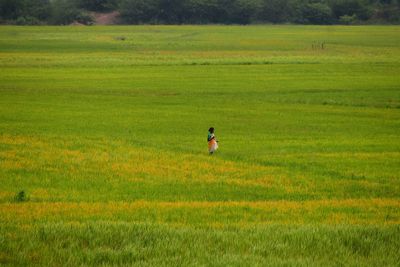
x=105, y=18
x=76, y=23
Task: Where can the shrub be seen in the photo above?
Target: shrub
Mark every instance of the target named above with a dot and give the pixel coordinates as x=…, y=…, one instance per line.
x=348, y=7
x=348, y=20
x=318, y=13
x=21, y=196
x=138, y=11
x=97, y=5
x=28, y=20
x=63, y=12
x=245, y=11
x=275, y=11
x=84, y=18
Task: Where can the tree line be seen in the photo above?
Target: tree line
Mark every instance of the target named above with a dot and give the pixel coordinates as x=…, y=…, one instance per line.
x=61, y=12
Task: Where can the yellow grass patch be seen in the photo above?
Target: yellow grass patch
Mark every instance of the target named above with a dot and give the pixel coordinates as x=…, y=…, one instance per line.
x=351, y=211
x=6, y=195
x=40, y=193
x=131, y=163
x=360, y=155
x=267, y=181
x=20, y=140
x=10, y=164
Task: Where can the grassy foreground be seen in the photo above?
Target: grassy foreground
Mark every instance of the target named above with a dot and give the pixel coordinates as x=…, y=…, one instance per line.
x=104, y=130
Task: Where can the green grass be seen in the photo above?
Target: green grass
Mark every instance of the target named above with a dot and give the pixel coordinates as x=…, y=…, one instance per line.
x=107, y=139
x=110, y=244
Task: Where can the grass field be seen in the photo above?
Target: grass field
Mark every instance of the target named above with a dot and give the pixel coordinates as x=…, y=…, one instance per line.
x=104, y=129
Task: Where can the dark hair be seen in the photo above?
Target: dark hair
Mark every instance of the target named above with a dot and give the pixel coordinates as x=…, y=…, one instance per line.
x=211, y=130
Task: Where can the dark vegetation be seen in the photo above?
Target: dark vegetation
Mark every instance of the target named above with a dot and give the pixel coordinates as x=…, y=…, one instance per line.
x=33, y=12
x=21, y=197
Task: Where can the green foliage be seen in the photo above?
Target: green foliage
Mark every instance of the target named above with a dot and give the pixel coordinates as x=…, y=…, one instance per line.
x=27, y=21
x=65, y=12
x=28, y=11
x=84, y=18
x=170, y=11
x=97, y=5
x=10, y=9
x=276, y=11
x=389, y=12
x=204, y=11
x=348, y=20
x=360, y=8
x=317, y=13
x=245, y=11
x=21, y=197
x=139, y=11
x=194, y=11
x=39, y=9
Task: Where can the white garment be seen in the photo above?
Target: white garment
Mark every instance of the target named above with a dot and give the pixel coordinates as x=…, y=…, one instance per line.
x=214, y=147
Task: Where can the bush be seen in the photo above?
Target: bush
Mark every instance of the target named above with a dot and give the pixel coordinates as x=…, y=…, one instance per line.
x=139, y=11
x=31, y=12
x=97, y=5
x=203, y=11
x=348, y=20
x=389, y=13
x=64, y=12
x=275, y=11
x=10, y=9
x=244, y=11
x=39, y=9
x=28, y=20
x=21, y=197
x=360, y=8
x=84, y=18
x=318, y=13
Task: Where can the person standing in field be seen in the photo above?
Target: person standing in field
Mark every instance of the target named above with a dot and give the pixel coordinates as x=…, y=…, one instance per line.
x=212, y=141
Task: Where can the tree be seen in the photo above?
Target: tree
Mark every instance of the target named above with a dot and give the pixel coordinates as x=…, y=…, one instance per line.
x=10, y=9
x=202, y=11
x=139, y=11
x=275, y=11
x=388, y=10
x=360, y=8
x=97, y=5
x=64, y=12
x=25, y=11
x=318, y=13
x=39, y=9
x=244, y=11
x=237, y=11
x=172, y=11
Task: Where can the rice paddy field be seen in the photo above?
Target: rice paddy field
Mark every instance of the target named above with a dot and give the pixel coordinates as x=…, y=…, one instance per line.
x=104, y=130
